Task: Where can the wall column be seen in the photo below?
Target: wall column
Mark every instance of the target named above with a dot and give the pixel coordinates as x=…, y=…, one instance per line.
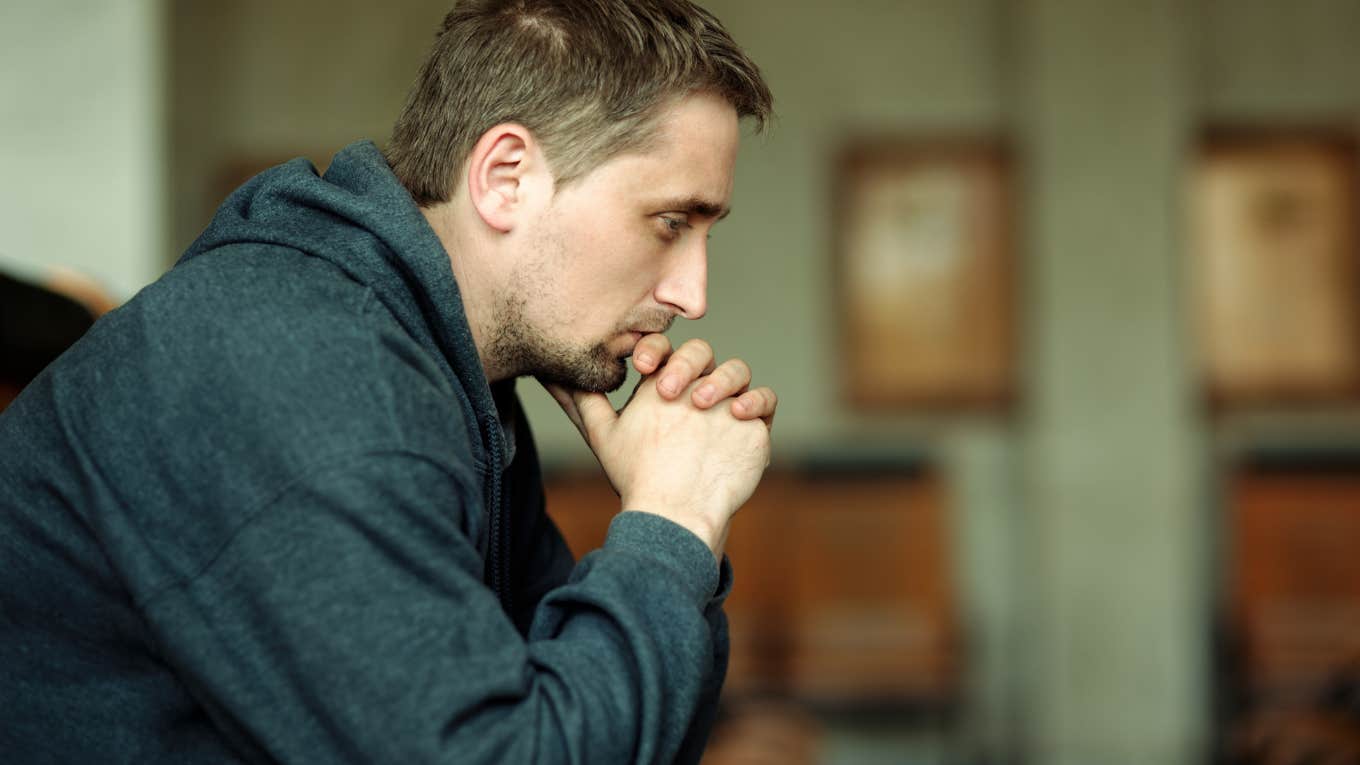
x=1114, y=630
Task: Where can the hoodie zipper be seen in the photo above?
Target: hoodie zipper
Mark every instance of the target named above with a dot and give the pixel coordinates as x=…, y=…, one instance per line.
x=498, y=549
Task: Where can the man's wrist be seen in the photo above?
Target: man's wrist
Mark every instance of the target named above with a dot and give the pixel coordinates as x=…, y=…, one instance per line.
x=660, y=538
x=712, y=536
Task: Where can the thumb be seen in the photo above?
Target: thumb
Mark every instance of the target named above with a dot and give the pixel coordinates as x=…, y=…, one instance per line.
x=587, y=411
x=595, y=411
x=563, y=399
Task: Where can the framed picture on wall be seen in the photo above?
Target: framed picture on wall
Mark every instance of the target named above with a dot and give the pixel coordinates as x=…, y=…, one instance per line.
x=924, y=274
x=1274, y=257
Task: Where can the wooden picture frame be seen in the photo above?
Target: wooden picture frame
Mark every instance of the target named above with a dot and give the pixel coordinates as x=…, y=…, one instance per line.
x=924, y=274
x=1275, y=258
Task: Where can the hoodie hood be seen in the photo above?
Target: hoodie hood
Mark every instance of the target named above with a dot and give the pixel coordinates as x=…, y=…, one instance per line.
x=360, y=218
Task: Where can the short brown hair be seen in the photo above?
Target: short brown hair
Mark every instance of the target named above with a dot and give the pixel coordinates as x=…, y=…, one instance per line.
x=587, y=77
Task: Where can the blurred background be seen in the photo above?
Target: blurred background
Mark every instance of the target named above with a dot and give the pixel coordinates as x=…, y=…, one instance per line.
x=1059, y=298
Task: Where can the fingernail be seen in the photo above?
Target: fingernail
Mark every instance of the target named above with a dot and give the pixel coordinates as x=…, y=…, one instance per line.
x=643, y=358
x=669, y=386
x=705, y=393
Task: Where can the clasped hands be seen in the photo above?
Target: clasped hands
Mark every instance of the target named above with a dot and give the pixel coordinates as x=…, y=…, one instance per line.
x=693, y=459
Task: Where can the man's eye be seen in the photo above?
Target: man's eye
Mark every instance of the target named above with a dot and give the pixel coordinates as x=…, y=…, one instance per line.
x=674, y=226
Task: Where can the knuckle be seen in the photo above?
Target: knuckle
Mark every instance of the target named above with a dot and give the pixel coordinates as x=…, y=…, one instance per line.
x=738, y=369
x=685, y=366
x=761, y=398
x=680, y=364
x=761, y=437
x=699, y=347
x=730, y=373
x=762, y=433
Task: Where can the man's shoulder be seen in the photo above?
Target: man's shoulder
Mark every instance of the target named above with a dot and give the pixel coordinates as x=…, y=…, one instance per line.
x=270, y=343
x=238, y=285
x=206, y=395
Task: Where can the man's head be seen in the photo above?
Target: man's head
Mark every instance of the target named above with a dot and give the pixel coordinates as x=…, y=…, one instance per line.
x=587, y=77
x=572, y=155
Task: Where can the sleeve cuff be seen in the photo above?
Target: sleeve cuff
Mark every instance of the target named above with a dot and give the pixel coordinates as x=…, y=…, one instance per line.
x=724, y=583
x=651, y=536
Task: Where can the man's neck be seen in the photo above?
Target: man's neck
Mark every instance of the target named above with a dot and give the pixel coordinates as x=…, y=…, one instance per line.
x=474, y=285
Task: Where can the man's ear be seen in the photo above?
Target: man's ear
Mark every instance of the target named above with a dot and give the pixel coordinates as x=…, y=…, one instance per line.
x=502, y=174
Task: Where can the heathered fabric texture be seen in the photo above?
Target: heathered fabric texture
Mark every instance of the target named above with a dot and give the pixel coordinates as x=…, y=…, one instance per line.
x=257, y=514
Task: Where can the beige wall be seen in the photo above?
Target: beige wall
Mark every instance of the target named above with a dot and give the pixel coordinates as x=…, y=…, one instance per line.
x=258, y=80
x=81, y=137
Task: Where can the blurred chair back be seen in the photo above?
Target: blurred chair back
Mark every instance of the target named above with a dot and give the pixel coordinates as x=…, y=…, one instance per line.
x=38, y=321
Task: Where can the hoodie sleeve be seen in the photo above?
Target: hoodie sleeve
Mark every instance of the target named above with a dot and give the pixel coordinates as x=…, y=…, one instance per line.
x=543, y=562
x=706, y=713
x=346, y=621
x=546, y=554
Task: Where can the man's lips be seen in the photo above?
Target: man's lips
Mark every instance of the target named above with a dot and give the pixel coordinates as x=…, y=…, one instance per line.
x=634, y=336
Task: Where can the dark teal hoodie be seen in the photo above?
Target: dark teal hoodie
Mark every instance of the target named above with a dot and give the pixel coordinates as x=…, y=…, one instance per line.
x=270, y=510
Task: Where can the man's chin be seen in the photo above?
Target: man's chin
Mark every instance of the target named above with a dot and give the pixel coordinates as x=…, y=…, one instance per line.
x=618, y=373
x=600, y=377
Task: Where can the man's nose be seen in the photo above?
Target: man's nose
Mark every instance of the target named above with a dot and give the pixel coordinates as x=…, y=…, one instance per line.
x=684, y=287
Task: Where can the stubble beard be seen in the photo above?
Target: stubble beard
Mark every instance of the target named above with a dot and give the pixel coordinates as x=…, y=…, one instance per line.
x=523, y=349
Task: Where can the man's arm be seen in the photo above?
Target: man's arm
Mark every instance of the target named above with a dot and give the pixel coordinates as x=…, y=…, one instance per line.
x=347, y=622
x=691, y=368
x=693, y=467
x=543, y=562
x=542, y=559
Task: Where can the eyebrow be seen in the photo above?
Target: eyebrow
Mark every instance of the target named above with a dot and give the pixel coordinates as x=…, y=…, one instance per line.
x=695, y=206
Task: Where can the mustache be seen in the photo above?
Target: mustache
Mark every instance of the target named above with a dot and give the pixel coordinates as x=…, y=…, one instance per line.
x=651, y=321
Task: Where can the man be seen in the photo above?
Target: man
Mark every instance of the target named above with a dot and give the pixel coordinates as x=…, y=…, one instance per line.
x=283, y=505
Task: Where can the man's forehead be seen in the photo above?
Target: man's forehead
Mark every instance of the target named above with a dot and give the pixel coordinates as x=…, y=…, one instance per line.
x=687, y=165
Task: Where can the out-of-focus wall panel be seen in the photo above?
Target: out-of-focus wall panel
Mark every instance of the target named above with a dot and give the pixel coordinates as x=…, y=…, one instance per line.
x=258, y=81
x=1116, y=635
x=81, y=163
x=1280, y=61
